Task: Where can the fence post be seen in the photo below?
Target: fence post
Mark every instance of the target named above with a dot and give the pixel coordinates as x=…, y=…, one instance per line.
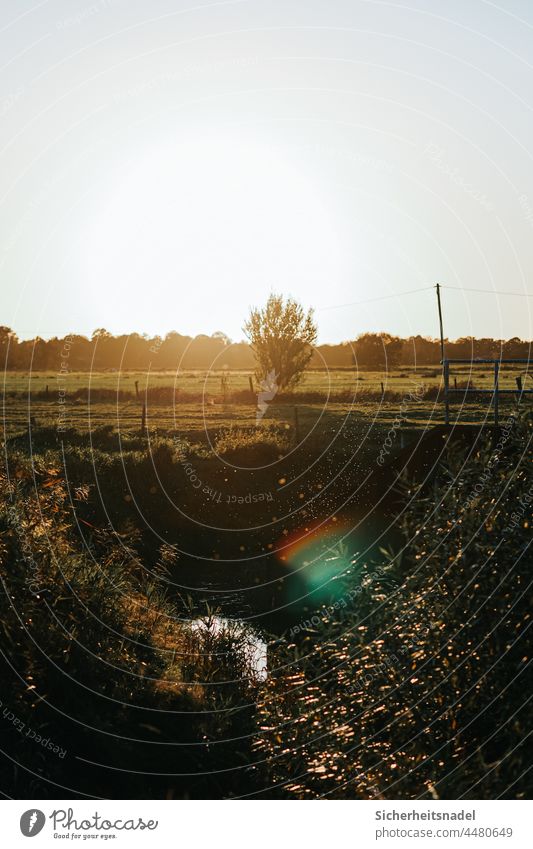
x=519, y=386
x=143, y=420
x=446, y=392
x=137, y=389
x=250, y=381
x=496, y=398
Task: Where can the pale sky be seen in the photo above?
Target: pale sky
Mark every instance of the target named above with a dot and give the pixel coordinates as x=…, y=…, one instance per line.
x=166, y=164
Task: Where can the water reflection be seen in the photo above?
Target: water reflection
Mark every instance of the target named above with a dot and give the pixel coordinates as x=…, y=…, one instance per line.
x=253, y=646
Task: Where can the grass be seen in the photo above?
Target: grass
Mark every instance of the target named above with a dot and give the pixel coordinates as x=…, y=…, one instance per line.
x=421, y=691
x=112, y=540
x=208, y=383
x=99, y=648
x=97, y=658
x=196, y=405
x=264, y=442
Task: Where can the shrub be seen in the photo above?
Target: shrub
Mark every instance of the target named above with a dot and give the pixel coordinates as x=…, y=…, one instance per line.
x=262, y=444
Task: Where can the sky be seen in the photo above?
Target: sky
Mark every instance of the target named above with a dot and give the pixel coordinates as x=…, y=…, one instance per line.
x=166, y=164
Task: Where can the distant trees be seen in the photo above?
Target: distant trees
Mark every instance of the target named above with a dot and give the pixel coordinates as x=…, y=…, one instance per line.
x=223, y=337
x=7, y=338
x=378, y=351
x=287, y=330
x=420, y=349
x=282, y=336
x=516, y=348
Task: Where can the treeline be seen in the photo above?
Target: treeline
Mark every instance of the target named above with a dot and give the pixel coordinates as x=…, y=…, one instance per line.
x=174, y=351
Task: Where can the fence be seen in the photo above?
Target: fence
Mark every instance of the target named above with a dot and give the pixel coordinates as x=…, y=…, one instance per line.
x=495, y=392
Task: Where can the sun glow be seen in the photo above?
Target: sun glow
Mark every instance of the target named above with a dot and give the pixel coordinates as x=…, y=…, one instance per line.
x=194, y=232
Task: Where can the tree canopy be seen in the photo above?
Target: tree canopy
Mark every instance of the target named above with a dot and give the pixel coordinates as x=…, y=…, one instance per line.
x=282, y=336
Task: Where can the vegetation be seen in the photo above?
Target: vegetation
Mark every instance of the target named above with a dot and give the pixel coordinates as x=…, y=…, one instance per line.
x=268, y=442
x=422, y=689
x=397, y=659
x=97, y=659
x=282, y=336
x=180, y=353
x=194, y=404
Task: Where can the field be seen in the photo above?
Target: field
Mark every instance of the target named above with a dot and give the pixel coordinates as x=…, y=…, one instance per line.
x=199, y=403
x=209, y=382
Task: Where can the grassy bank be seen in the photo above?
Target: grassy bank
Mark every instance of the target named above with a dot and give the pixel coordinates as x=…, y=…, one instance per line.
x=425, y=690
x=400, y=673
x=130, y=699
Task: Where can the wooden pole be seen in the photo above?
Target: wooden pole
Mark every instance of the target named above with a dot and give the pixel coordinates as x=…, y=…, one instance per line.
x=143, y=419
x=296, y=424
x=445, y=365
x=440, y=324
x=446, y=392
x=496, y=398
x=137, y=389
x=251, y=383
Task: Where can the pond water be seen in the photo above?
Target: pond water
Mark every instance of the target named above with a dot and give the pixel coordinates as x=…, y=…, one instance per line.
x=254, y=645
x=262, y=599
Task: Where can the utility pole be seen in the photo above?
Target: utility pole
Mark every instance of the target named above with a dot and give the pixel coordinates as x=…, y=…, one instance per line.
x=440, y=323
x=445, y=365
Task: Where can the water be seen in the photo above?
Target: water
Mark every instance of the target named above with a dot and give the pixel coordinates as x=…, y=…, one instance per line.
x=255, y=647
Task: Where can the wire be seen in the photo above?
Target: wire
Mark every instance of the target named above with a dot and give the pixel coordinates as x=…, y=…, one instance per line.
x=372, y=300
x=422, y=289
x=489, y=291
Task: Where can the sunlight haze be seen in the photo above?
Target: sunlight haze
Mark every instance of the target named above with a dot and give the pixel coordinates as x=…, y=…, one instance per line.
x=167, y=165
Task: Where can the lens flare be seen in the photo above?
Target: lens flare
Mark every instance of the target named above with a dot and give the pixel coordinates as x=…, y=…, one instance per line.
x=318, y=559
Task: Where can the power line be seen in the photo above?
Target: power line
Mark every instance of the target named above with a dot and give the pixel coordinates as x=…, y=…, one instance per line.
x=489, y=291
x=422, y=289
x=372, y=300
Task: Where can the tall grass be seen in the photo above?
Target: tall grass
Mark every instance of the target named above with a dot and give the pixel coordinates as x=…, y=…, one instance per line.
x=97, y=658
x=170, y=396
x=423, y=690
x=264, y=442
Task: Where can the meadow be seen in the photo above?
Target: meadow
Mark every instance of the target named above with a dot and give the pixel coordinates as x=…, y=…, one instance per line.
x=208, y=382
x=203, y=402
